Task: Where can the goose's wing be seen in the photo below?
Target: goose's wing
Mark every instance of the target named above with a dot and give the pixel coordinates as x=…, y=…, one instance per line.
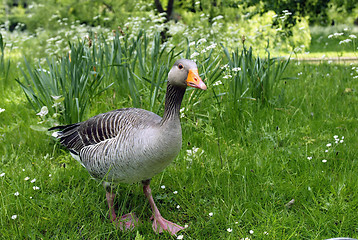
x=103, y=127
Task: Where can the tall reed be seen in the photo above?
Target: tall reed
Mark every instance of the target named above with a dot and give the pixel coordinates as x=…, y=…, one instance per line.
x=4, y=65
x=253, y=77
x=73, y=79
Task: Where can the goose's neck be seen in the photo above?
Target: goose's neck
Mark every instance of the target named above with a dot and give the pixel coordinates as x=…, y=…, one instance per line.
x=173, y=99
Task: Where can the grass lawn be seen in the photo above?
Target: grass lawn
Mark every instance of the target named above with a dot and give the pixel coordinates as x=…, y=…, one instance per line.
x=258, y=172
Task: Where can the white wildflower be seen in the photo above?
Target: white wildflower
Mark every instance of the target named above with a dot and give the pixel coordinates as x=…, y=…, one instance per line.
x=211, y=46
x=2, y=174
x=227, y=76
x=178, y=206
x=175, y=192
x=324, y=160
x=57, y=104
x=352, y=36
x=217, y=18
x=202, y=40
x=162, y=187
x=229, y=230
x=345, y=41
x=43, y=112
x=182, y=112
x=329, y=144
x=309, y=158
x=26, y=178
x=33, y=180
x=180, y=237
x=191, y=44
x=17, y=194
x=211, y=214
x=217, y=83
x=35, y=188
x=251, y=231
x=194, y=55
x=297, y=49
x=236, y=69
x=193, y=151
x=225, y=66
x=13, y=217
x=2, y=110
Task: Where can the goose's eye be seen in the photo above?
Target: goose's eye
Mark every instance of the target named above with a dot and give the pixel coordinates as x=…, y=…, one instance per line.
x=180, y=66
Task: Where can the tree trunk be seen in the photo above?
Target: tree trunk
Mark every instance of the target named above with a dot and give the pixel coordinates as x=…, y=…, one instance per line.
x=168, y=16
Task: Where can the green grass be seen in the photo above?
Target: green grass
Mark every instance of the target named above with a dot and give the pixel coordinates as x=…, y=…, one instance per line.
x=250, y=164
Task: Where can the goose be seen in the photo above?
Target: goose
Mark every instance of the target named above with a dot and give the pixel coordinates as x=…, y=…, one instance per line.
x=132, y=145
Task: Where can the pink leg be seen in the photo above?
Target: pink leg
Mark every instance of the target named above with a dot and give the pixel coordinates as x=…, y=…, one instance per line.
x=125, y=222
x=159, y=224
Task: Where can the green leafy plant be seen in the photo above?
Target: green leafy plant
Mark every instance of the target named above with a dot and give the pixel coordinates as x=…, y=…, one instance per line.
x=66, y=86
x=134, y=65
x=253, y=77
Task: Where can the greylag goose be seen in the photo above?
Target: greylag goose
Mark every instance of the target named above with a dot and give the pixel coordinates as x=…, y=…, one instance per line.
x=130, y=145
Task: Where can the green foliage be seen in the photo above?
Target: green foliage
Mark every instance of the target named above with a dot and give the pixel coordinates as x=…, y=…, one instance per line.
x=36, y=14
x=320, y=12
x=239, y=21
x=134, y=65
x=56, y=23
x=253, y=77
x=73, y=80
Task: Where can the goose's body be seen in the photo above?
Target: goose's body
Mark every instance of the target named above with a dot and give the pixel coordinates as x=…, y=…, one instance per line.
x=123, y=146
x=131, y=145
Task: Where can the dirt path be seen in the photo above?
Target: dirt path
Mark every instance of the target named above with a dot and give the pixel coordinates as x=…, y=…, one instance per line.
x=331, y=59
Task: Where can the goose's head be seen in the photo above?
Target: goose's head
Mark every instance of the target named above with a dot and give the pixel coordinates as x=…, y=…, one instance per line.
x=185, y=73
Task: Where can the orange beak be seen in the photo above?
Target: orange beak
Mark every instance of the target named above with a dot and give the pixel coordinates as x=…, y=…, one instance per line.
x=194, y=80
